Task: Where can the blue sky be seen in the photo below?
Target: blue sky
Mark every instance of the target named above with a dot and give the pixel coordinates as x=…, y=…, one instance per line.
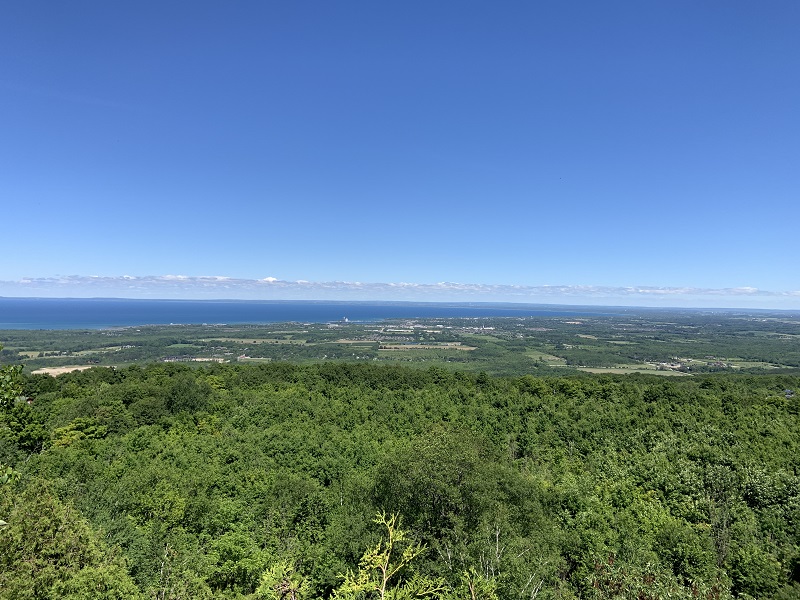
x=649, y=150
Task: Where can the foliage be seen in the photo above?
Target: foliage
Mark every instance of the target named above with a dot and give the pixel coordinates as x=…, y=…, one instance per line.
x=48, y=551
x=263, y=481
x=282, y=581
x=382, y=573
x=10, y=385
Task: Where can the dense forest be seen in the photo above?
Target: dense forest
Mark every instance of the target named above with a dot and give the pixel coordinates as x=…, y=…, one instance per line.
x=346, y=480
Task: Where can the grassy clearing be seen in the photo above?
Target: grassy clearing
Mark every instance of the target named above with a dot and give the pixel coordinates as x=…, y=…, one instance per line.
x=624, y=370
x=281, y=332
x=54, y=357
x=103, y=350
x=482, y=337
x=536, y=355
x=421, y=352
x=418, y=347
x=256, y=341
x=247, y=359
x=746, y=364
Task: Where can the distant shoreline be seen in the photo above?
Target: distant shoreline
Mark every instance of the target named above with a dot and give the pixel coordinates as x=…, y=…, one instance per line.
x=107, y=313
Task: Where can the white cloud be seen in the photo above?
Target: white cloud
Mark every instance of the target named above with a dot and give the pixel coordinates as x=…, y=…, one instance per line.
x=221, y=287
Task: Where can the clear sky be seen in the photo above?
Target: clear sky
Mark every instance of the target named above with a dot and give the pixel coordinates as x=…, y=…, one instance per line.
x=636, y=152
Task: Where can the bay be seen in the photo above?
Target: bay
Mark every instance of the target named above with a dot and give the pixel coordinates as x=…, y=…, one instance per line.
x=102, y=313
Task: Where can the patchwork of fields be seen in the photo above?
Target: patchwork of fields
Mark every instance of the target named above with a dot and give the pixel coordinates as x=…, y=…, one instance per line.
x=654, y=342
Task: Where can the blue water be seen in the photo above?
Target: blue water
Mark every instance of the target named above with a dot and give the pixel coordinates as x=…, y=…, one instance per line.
x=100, y=313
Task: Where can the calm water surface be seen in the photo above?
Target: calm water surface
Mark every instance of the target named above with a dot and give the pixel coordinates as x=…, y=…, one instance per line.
x=73, y=313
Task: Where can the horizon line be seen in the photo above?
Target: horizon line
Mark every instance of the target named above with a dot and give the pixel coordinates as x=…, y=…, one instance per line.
x=183, y=287
x=544, y=305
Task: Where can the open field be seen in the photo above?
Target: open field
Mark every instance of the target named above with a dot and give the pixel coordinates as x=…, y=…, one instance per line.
x=248, y=359
x=754, y=364
x=256, y=341
x=59, y=370
x=426, y=347
x=626, y=370
x=544, y=356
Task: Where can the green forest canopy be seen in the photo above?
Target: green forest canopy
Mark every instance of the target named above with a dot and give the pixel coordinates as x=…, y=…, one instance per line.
x=264, y=481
